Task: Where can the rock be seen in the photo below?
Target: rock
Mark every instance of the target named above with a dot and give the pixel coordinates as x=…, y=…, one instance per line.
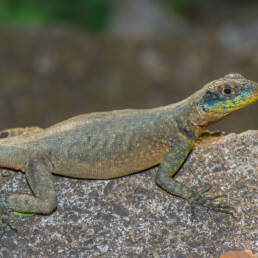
x=133, y=217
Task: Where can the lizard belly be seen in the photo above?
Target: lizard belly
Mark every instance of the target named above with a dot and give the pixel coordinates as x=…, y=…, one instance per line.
x=121, y=165
x=109, y=148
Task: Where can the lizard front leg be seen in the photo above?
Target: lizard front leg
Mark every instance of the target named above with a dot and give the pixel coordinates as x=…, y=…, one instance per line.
x=43, y=200
x=164, y=178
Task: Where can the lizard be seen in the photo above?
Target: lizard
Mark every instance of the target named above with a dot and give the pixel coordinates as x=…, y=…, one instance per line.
x=105, y=145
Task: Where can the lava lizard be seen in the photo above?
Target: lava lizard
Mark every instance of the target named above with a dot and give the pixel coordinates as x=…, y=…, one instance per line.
x=106, y=145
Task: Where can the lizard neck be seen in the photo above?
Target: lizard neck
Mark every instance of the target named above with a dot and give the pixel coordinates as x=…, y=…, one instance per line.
x=185, y=116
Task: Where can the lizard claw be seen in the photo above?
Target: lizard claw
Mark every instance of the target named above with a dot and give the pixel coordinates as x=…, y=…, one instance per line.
x=4, y=218
x=210, y=202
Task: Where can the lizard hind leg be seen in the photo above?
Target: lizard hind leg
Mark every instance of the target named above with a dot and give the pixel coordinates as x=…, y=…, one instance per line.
x=40, y=180
x=19, y=131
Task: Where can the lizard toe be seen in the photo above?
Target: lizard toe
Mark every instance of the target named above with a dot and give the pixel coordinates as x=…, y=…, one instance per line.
x=210, y=202
x=4, y=218
x=204, y=189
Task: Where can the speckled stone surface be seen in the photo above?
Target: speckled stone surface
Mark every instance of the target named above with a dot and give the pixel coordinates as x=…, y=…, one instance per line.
x=133, y=217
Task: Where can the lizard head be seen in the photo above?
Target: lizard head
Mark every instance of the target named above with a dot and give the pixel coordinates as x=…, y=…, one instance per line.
x=225, y=95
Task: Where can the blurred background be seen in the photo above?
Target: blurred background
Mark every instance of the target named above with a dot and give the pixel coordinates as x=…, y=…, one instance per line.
x=60, y=58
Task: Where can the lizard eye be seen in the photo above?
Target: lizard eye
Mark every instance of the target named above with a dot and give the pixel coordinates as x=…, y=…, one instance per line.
x=226, y=90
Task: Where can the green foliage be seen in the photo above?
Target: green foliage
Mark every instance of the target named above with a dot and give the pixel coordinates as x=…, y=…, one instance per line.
x=183, y=7
x=17, y=11
x=91, y=14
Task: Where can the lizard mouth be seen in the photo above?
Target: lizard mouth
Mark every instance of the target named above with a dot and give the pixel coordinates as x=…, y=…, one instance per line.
x=228, y=106
x=249, y=99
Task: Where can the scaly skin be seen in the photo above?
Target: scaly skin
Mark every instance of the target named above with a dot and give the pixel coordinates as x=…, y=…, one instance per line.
x=117, y=143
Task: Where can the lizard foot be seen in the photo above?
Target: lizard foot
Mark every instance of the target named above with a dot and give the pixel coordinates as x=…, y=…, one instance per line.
x=4, y=218
x=210, y=202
